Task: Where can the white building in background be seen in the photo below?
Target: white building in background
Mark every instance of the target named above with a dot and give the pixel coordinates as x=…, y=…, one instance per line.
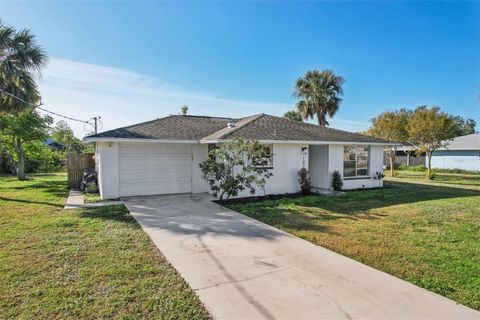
x=460, y=153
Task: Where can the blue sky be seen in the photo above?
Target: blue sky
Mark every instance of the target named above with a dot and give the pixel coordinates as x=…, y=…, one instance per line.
x=134, y=61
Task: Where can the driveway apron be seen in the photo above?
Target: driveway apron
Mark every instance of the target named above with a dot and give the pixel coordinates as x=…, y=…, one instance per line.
x=244, y=269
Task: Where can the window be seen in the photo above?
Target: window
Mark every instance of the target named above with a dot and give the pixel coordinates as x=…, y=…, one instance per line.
x=266, y=160
x=212, y=146
x=355, y=161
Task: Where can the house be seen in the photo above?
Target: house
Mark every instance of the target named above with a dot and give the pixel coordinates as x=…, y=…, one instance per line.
x=162, y=156
x=460, y=153
x=405, y=154
x=54, y=145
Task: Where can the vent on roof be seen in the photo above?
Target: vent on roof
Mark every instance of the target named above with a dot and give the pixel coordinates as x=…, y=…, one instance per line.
x=230, y=125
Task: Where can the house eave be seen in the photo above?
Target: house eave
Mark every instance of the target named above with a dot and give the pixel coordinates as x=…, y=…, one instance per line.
x=205, y=141
x=108, y=139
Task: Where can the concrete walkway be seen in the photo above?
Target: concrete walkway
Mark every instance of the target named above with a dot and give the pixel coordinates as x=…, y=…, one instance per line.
x=244, y=269
x=76, y=200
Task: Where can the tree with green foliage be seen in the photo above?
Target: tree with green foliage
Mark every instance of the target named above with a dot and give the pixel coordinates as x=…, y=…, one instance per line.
x=21, y=128
x=21, y=60
x=319, y=94
x=184, y=110
x=391, y=126
x=63, y=134
x=463, y=126
x=42, y=158
x=236, y=166
x=429, y=129
x=293, y=115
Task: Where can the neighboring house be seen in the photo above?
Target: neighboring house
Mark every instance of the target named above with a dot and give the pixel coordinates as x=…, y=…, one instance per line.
x=54, y=145
x=162, y=156
x=406, y=154
x=460, y=153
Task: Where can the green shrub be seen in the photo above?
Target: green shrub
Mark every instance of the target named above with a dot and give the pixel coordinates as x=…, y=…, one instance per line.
x=404, y=167
x=304, y=180
x=420, y=168
x=460, y=171
x=40, y=158
x=337, y=182
x=91, y=188
x=237, y=166
x=432, y=175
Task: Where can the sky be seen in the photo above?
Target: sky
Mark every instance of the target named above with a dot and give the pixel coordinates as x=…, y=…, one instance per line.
x=130, y=62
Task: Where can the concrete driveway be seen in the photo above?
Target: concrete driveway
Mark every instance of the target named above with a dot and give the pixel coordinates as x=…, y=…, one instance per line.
x=244, y=269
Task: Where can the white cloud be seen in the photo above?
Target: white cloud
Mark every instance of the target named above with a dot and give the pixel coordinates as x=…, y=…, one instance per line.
x=123, y=97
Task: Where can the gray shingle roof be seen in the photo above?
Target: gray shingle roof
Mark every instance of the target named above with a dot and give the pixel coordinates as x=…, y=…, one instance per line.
x=257, y=127
x=468, y=142
x=174, y=127
x=267, y=127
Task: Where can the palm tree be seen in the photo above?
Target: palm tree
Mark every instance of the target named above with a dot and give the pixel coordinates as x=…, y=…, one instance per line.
x=21, y=59
x=319, y=93
x=293, y=115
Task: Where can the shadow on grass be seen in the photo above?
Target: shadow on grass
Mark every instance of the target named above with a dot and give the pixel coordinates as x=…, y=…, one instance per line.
x=116, y=213
x=305, y=213
x=31, y=202
x=452, y=179
x=56, y=188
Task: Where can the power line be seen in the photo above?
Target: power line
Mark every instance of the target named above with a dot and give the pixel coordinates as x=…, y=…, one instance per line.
x=61, y=115
x=96, y=125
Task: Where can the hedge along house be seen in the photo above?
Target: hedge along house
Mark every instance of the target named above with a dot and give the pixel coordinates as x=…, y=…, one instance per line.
x=460, y=153
x=162, y=156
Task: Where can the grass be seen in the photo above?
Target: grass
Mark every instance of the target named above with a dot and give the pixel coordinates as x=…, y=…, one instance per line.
x=95, y=198
x=86, y=263
x=424, y=232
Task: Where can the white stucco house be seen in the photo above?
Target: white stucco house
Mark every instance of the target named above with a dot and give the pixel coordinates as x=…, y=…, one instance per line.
x=460, y=153
x=162, y=156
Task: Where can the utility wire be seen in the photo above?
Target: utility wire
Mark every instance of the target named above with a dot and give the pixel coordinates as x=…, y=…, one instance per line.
x=35, y=106
x=60, y=115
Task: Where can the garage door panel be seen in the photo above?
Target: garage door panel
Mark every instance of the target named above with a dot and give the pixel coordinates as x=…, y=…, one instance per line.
x=148, y=169
x=146, y=176
x=156, y=162
x=142, y=189
x=154, y=149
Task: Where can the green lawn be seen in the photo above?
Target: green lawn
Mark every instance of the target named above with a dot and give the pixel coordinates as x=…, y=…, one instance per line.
x=95, y=263
x=426, y=233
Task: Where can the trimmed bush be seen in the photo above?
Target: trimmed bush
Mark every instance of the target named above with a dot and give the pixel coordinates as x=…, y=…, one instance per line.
x=304, y=180
x=337, y=182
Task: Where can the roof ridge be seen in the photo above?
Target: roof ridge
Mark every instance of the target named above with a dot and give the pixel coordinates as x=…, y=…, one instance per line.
x=199, y=116
x=222, y=133
x=247, y=122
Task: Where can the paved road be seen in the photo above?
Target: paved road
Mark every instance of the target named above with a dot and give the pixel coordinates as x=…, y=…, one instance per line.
x=244, y=269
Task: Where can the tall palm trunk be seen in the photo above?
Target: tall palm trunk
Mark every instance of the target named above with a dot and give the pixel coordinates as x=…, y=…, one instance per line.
x=21, y=159
x=321, y=119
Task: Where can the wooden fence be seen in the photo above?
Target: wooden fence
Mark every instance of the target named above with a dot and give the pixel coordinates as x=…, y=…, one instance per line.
x=76, y=164
x=413, y=160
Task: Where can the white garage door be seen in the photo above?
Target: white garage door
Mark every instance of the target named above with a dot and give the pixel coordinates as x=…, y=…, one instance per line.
x=151, y=168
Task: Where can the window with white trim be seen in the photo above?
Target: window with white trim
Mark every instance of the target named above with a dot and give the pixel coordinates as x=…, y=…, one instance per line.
x=356, y=161
x=266, y=160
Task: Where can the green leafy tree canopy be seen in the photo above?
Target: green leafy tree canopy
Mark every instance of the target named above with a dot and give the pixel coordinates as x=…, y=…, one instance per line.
x=293, y=115
x=63, y=134
x=429, y=129
x=463, y=126
x=234, y=167
x=391, y=126
x=21, y=128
